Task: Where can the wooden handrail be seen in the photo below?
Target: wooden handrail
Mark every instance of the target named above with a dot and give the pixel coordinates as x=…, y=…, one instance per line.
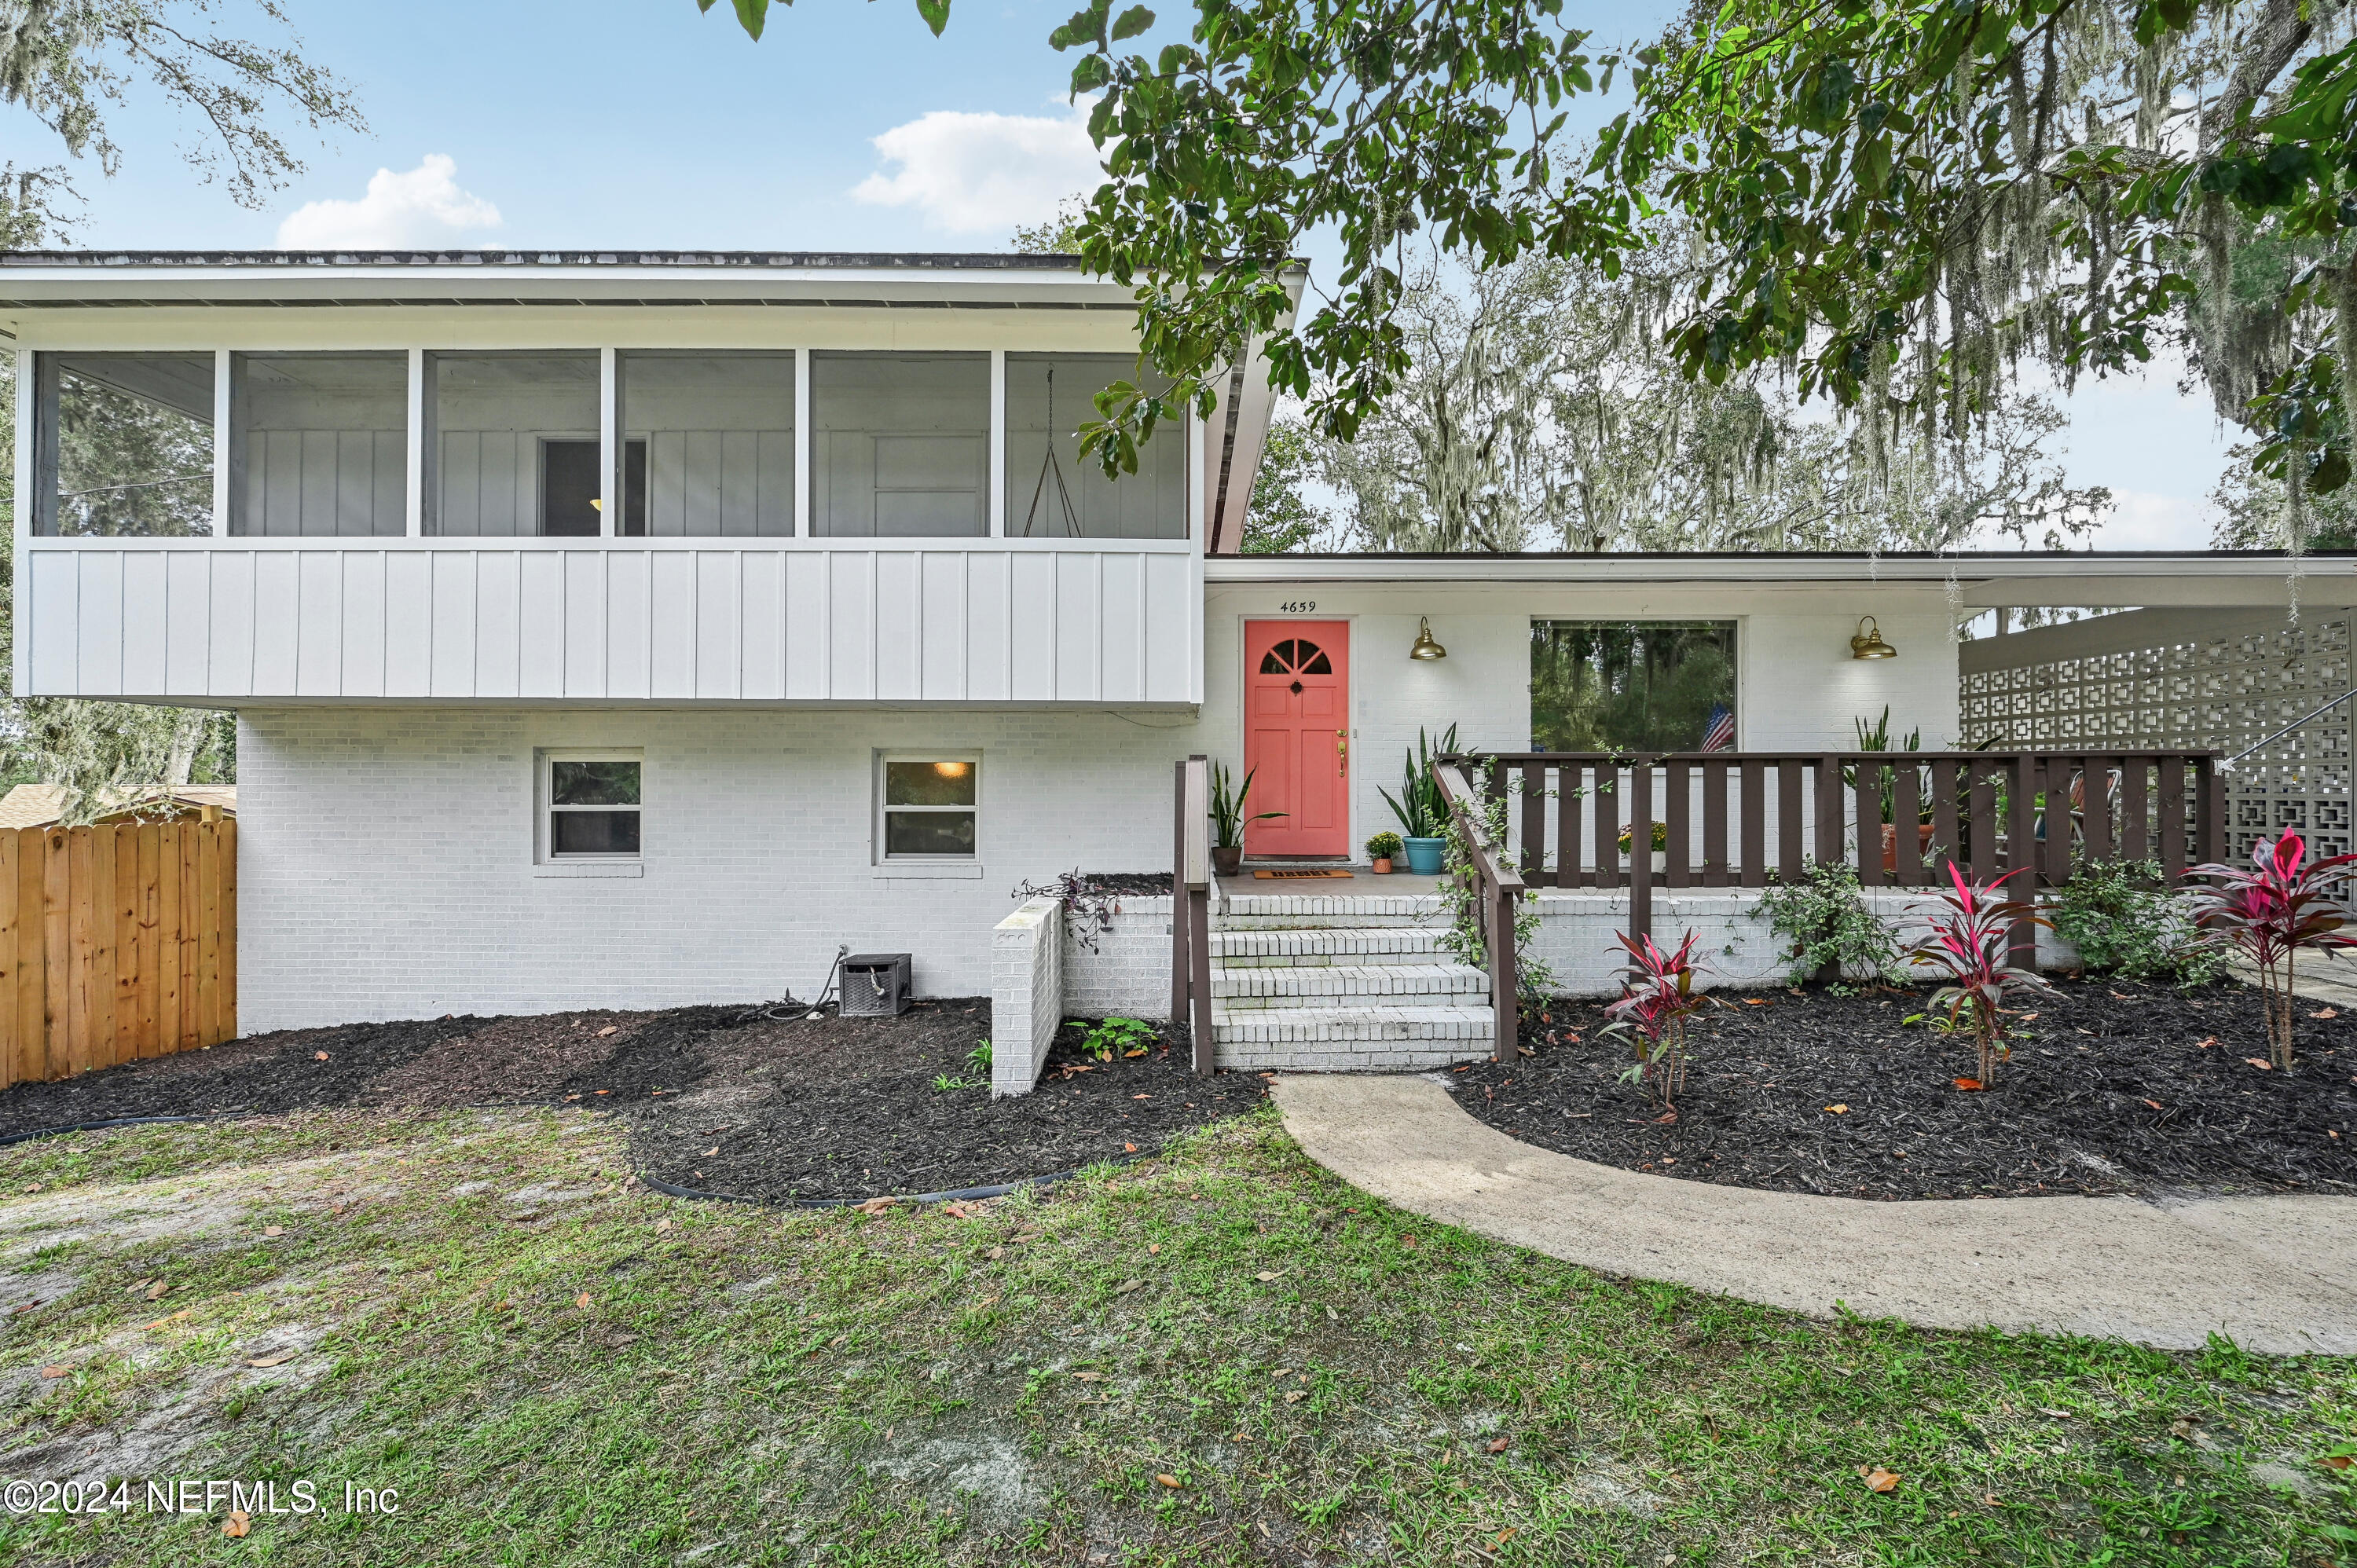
x=1190, y=907
x=1497, y=886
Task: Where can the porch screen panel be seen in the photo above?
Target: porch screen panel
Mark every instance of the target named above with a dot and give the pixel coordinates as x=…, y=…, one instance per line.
x=1052, y=492
x=1630, y=685
x=718, y=437
x=124, y=445
x=515, y=443
x=318, y=444
x=902, y=444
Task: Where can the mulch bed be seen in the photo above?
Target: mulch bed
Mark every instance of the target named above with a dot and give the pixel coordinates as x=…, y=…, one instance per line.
x=756, y=1103
x=2112, y=1089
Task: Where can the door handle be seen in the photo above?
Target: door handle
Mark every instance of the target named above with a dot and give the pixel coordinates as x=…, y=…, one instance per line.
x=1341, y=751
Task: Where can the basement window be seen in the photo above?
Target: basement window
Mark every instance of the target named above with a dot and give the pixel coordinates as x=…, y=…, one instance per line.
x=928, y=807
x=591, y=805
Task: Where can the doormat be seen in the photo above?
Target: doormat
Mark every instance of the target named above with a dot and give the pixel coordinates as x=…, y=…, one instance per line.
x=1317, y=876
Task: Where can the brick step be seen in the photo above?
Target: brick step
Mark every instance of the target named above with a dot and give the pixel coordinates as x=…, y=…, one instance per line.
x=1266, y=913
x=1270, y=948
x=1348, y=985
x=1473, y=1025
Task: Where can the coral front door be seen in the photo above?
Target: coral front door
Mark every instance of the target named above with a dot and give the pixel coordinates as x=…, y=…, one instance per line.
x=1297, y=736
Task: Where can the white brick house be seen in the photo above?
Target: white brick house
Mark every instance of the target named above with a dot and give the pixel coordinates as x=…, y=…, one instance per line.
x=840, y=668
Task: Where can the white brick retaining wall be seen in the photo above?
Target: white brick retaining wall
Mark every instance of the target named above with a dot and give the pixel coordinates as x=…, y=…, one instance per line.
x=1026, y=993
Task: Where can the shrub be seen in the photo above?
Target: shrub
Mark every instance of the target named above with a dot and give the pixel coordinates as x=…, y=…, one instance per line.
x=1110, y=1037
x=2123, y=917
x=1969, y=945
x=2271, y=913
x=1384, y=845
x=1825, y=917
x=1658, y=996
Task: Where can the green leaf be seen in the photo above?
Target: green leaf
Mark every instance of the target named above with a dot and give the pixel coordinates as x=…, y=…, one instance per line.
x=1131, y=23
x=751, y=15
x=936, y=14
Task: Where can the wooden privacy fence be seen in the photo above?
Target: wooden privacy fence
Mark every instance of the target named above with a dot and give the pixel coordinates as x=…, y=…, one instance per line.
x=1730, y=819
x=116, y=942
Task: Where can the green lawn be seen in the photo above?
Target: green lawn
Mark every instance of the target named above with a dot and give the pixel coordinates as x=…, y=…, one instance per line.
x=1224, y=1355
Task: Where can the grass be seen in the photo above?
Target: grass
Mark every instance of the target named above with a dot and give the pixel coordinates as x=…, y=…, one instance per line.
x=1223, y=1356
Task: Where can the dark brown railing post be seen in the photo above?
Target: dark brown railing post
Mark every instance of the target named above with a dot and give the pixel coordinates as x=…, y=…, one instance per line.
x=1829, y=809
x=2209, y=816
x=1496, y=887
x=2022, y=853
x=1196, y=868
x=1179, y=973
x=1640, y=849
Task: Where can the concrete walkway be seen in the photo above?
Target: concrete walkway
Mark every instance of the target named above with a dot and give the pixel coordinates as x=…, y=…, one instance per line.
x=2277, y=1273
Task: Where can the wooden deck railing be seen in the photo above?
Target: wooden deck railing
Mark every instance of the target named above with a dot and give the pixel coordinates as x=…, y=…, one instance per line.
x=1498, y=887
x=1730, y=819
x=1190, y=907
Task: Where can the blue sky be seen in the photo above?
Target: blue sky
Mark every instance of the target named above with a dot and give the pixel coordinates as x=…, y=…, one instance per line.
x=642, y=124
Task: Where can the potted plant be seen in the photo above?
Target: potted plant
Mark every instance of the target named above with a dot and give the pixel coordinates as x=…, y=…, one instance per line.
x=1877, y=737
x=1381, y=848
x=1422, y=814
x=1661, y=856
x=1228, y=820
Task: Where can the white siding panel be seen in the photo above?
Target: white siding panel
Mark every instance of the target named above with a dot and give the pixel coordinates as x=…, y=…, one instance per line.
x=1121, y=614
x=319, y=638
x=628, y=624
x=1170, y=655
x=498, y=585
x=408, y=623
x=1033, y=634
x=741, y=619
x=899, y=626
x=1080, y=617
x=145, y=633
x=988, y=663
x=586, y=610
x=363, y=628
x=719, y=632
x=230, y=656
x=54, y=588
x=97, y=656
x=187, y=614
x=541, y=611
x=671, y=624
x=808, y=672
x=762, y=599
x=850, y=626
x=942, y=624
x=454, y=623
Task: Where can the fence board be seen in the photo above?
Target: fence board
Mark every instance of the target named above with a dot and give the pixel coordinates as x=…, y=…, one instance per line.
x=1607, y=826
x=1677, y=822
x=1755, y=825
x=117, y=941
x=1713, y=824
x=1534, y=781
x=1567, y=826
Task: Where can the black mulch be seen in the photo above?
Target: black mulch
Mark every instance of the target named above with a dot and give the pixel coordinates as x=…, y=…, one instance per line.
x=830, y=1106
x=2114, y=1090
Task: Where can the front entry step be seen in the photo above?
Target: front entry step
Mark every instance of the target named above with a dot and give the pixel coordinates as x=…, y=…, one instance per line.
x=1352, y=1040
x=1271, y=988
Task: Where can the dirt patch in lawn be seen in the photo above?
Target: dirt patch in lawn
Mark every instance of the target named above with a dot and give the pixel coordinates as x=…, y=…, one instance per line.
x=736, y=1100
x=2113, y=1086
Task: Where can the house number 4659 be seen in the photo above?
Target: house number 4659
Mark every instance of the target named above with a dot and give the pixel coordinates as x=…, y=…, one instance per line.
x=1301, y=608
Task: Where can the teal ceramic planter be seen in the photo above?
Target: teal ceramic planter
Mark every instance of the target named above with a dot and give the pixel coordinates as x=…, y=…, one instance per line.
x=1424, y=855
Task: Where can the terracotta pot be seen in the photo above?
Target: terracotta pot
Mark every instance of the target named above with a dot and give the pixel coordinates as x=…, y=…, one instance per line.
x=1382, y=865
x=1228, y=862
x=1891, y=845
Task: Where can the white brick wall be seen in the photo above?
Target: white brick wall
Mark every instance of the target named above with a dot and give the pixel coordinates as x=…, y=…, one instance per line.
x=385, y=866
x=1128, y=975
x=1026, y=993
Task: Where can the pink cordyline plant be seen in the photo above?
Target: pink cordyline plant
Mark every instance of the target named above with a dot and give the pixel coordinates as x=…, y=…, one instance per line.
x=1658, y=996
x=1969, y=948
x=2270, y=912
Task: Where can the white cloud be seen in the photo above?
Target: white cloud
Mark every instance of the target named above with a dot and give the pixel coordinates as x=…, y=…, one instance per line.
x=970, y=174
x=423, y=205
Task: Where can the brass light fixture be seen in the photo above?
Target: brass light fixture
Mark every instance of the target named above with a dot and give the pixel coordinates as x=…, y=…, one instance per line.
x=1424, y=647
x=1869, y=643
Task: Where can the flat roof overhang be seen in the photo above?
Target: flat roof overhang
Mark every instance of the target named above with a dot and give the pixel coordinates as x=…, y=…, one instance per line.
x=2226, y=578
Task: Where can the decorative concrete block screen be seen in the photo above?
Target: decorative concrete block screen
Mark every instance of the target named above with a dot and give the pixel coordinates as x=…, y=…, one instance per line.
x=2157, y=680
x=1026, y=993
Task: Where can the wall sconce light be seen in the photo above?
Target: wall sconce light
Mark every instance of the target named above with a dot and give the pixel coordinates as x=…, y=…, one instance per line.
x=1424, y=647
x=1869, y=643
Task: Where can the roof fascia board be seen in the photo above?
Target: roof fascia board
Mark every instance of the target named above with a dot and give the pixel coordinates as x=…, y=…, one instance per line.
x=1981, y=573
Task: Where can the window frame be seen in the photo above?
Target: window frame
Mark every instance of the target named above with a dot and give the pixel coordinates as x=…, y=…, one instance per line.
x=544, y=806
x=1738, y=626
x=884, y=858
